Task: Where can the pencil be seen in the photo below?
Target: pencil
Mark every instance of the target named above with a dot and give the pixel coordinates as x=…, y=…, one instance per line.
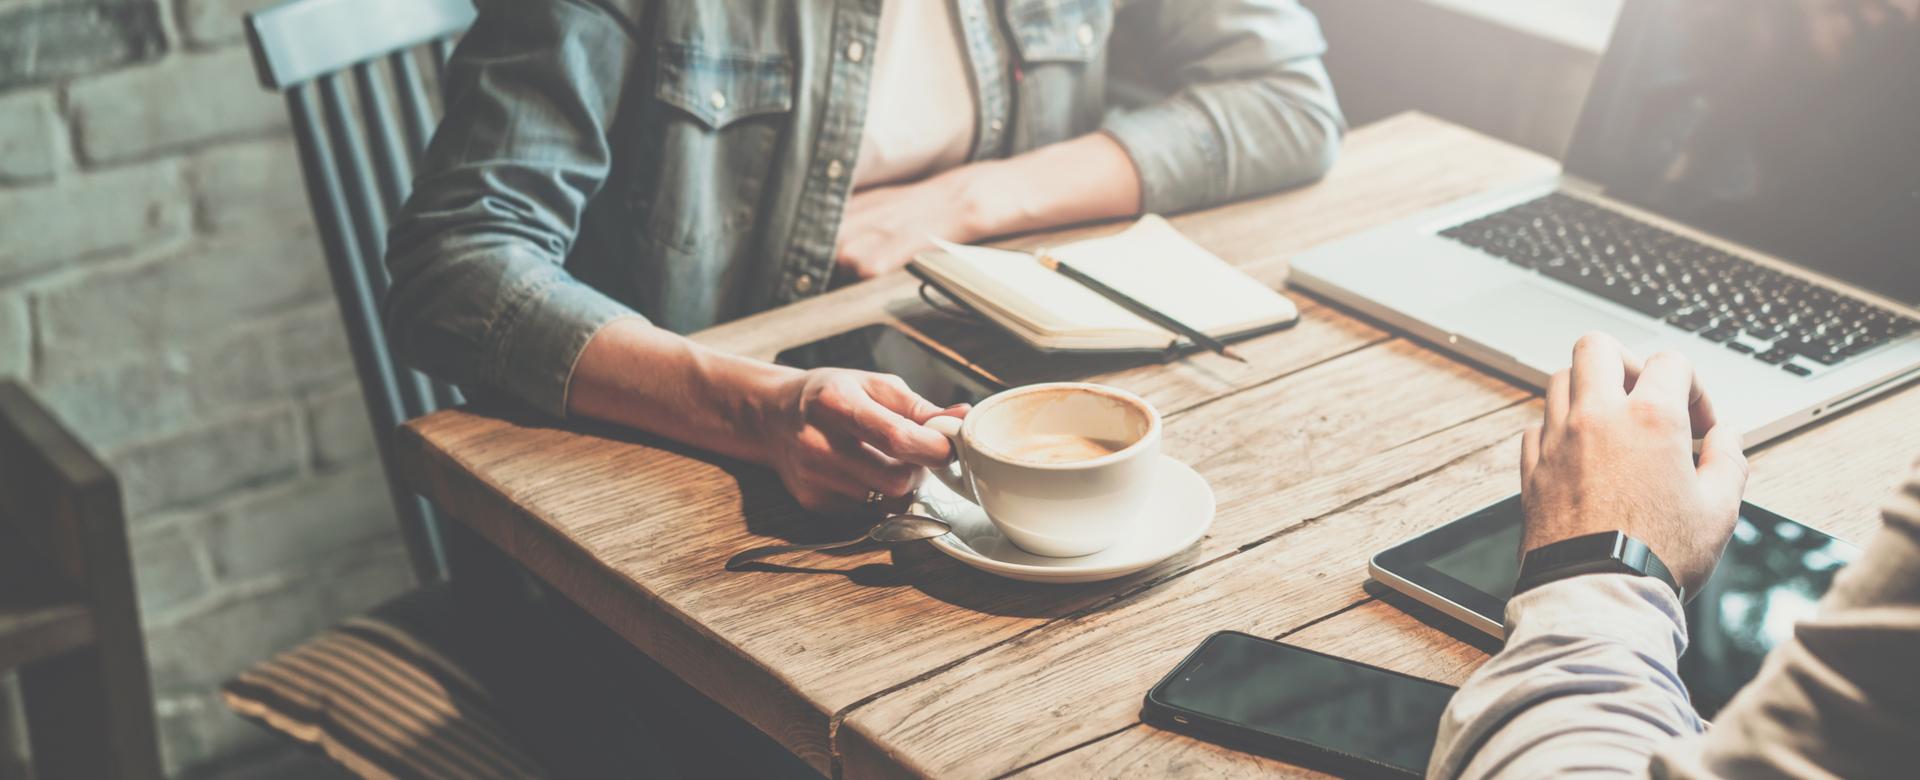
x=1126, y=302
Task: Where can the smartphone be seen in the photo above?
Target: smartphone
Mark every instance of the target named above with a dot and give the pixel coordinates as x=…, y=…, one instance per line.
x=937, y=377
x=1301, y=706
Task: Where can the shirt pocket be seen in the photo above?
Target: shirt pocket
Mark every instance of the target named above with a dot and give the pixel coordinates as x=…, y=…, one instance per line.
x=724, y=109
x=1062, y=31
x=720, y=87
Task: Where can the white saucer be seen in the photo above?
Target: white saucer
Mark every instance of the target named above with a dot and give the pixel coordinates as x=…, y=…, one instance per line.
x=1176, y=516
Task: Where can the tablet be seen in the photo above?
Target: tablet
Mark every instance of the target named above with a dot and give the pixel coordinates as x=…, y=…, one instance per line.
x=1773, y=574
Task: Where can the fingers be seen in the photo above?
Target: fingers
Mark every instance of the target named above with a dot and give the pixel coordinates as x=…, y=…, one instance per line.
x=1529, y=452
x=893, y=393
x=1559, y=400
x=1599, y=369
x=1699, y=406
x=1665, y=382
x=869, y=469
x=861, y=410
x=1723, y=466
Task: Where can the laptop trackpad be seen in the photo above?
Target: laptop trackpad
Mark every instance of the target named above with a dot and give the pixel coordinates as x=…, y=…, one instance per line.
x=1538, y=326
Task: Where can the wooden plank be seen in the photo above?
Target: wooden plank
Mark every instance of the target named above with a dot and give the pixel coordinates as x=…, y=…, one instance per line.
x=1373, y=632
x=1832, y=476
x=634, y=529
x=1078, y=680
x=606, y=518
x=33, y=633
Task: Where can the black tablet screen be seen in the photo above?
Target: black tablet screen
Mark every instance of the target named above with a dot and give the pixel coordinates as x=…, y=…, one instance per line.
x=1773, y=574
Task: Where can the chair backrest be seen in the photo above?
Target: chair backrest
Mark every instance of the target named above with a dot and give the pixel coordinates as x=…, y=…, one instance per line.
x=63, y=547
x=355, y=86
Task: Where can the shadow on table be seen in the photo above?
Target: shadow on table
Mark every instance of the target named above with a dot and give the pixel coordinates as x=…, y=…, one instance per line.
x=920, y=566
x=772, y=517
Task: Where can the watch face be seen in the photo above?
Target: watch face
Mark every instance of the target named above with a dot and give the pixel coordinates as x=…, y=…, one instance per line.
x=1580, y=549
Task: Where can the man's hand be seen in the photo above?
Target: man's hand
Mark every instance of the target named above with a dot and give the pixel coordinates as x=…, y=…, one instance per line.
x=1080, y=180
x=834, y=434
x=883, y=227
x=1614, y=453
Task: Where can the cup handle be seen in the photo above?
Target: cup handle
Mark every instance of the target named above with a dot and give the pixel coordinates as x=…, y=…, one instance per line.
x=954, y=473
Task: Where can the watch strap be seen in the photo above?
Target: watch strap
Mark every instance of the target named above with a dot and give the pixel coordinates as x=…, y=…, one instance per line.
x=1609, y=552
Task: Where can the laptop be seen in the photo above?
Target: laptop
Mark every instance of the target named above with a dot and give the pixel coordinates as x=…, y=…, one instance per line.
x=1743, y=187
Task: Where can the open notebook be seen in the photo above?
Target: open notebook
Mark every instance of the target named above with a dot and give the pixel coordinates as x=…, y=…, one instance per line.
x=1150, y=262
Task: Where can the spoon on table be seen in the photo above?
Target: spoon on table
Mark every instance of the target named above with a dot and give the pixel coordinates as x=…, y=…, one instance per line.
x=902, y=527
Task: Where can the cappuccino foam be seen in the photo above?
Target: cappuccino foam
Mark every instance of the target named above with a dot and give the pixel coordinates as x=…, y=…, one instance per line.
x=1054, y=448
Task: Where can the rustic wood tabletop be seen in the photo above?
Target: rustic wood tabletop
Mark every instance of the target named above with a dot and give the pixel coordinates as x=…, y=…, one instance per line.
x=1339, y=438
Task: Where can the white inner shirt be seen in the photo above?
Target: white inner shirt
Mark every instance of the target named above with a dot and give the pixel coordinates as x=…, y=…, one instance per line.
x=921, y=108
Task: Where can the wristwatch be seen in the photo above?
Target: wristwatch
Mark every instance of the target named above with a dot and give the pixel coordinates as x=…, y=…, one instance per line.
x=1609, y=552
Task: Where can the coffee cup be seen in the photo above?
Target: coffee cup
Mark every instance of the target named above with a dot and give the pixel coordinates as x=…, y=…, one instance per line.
x=1062, y=469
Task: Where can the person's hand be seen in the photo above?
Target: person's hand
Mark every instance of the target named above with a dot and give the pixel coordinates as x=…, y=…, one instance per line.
x=1614, y=453
x=835, y=434
x=883, y=227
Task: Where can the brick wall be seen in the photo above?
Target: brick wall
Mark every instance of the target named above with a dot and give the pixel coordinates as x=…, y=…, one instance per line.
x=161, y=287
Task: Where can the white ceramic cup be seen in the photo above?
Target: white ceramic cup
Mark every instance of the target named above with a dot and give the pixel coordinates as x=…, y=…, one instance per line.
x=1062, y=469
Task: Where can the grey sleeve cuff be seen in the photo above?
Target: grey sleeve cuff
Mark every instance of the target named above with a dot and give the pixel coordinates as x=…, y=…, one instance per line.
x=1217, y=142
x=541, y=333
x=496, y=315
x=1177, y=149
x=1588, y=681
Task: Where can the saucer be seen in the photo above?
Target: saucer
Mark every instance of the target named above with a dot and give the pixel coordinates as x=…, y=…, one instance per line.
x=1176, y=515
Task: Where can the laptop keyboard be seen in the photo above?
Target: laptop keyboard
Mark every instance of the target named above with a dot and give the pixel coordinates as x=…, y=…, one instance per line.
x=1750, y=308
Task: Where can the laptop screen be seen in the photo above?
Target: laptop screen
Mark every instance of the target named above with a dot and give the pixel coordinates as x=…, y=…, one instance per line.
x=1790, y=126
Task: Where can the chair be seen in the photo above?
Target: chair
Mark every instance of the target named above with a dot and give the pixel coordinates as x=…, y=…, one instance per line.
x=503, y=679
x=359, y=131
x=69, y=624
x=393, y=692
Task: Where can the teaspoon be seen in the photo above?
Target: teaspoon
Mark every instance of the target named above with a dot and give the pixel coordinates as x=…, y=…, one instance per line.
x=903, y=527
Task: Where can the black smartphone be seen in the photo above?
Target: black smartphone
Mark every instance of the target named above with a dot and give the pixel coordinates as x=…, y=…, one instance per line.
x=1301, y=706
x=937, y=377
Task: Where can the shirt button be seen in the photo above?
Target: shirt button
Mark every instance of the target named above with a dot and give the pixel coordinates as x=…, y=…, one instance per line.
x=834, y=169
x=996, y=125
x=1086, y=35
x=802, y=285
x=856, y=51
x=718, y=100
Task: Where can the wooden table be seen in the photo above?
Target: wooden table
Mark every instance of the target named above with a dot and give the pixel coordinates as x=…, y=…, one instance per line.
x=1338, y=439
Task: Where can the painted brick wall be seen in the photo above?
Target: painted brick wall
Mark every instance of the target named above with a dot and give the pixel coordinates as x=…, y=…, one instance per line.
x=162, y=288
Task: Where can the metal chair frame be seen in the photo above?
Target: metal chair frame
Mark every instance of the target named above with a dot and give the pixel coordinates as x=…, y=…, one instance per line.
x=325, y=57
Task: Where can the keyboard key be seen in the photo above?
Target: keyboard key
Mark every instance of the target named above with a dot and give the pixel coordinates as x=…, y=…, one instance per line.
x=1694, y=287
x=1721, y=333
x=1796, y=369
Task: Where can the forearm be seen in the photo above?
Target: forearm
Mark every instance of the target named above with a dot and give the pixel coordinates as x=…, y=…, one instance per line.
x=640, y=376
x=1085, y=179
x=1587, y=683
x=1227, y=99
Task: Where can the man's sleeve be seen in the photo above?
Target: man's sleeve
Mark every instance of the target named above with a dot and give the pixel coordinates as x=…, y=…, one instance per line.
x=1842, y=697
x=1586, y=685
x=479, y=295
x=1244, y=106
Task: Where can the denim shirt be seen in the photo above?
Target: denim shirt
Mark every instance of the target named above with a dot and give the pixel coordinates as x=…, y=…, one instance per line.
x=689, y=160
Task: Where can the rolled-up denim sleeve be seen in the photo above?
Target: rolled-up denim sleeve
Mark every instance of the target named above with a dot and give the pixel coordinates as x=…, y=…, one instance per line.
x=480, y=296
x=1247, y=108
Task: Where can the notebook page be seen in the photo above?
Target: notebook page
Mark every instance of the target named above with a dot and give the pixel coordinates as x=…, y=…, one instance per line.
x=1155, y=264
x=1049, y=301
